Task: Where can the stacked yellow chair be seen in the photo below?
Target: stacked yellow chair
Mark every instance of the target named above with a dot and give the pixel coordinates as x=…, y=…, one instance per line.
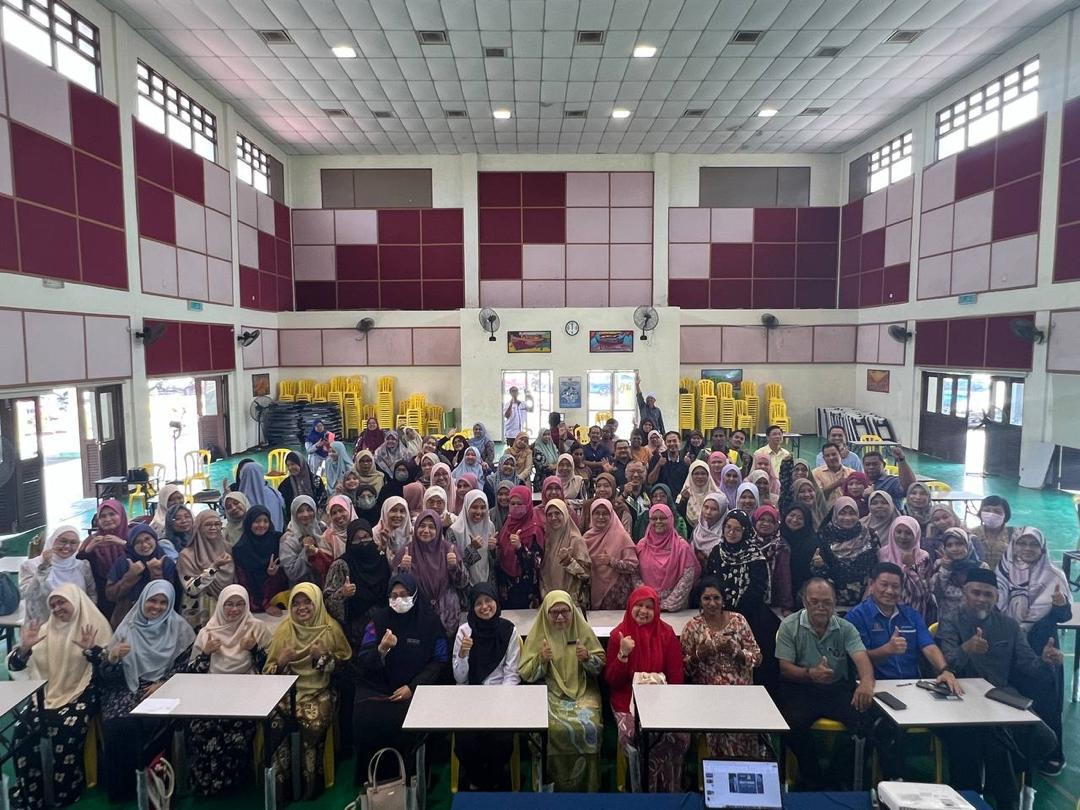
x=433, y=418
x=743, y=420
x=286, y=391
x=352, y=412
x=384, y=403
x=686, y=412
x=708, y=407
x=726, y=407
x=305, y=390
x=748, y=393
x=320, y=392
x=602, y=417
x=778, y=414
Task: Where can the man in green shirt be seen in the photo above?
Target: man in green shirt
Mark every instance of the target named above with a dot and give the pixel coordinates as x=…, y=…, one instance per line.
x=817, y=649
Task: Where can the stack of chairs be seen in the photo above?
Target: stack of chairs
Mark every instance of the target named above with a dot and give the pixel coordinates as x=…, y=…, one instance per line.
x=725, y=397
x=321, y=392
x=708, y=407
x=433, y=419
x=305, y=390
x=602, y=417
x=384, y=403
x=347, y=394
x=749, y=395
x=778, y=414
x=411, y=412
x=686, y=404
x=743, y=420
x=286, y=391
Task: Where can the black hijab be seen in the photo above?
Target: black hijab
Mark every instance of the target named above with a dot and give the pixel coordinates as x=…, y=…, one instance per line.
x=253, y=552
x=803, y=543
x=418, y=631
x=490, y=636
x=393, y=486
x=369, y=571
x=373, y=514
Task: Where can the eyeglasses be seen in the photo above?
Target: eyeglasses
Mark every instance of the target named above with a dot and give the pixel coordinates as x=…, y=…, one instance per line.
x=559, y=613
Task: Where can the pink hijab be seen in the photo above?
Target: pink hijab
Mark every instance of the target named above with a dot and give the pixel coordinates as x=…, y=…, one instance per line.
x=414, y=496
x=890, y=552
x=614, y=541
x=459, y=500
x=664, y=558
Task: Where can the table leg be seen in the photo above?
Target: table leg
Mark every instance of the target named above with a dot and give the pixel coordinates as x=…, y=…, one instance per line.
x=860, y=762
x=543, y=761
x=44, y=746
x=141, y=786
x=642, y=738
x=294, y=744
x=269, y=784
x=1076, y=661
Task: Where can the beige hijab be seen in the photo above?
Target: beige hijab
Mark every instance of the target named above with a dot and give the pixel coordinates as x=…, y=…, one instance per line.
x=202, y=553
x=234, y=657
x=57, y=658
x=554, y=576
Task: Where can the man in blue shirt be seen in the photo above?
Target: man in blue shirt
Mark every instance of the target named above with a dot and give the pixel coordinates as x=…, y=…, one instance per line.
x=597, y=453
x=838, y=436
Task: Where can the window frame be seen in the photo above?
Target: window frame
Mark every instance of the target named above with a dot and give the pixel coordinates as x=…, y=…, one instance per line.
x=183, y=102
x=989, y=100
x=21, y=7
x=255, y=158
x=888, y=157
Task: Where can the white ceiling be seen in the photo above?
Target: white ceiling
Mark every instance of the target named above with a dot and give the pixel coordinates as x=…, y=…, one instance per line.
x=284, y=88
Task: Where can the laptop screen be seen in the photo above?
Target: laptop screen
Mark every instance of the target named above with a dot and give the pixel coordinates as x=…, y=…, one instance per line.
x=734, y=783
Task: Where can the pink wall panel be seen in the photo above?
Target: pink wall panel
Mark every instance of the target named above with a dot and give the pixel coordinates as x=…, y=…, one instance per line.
x=1063, y=352
x=791, y=344
x=588, y=292
x=689, y=224
x=312, y=227
x=500, y=293
x=700, y=344
x=216, y=187
x=13, y=358
x=587, y=189
x=891, y=351
x=390, y=347
x=834, y=344
x=6, y=186
x=343, y=347
x=356, y=227
x=300, y=347
x=543, y=261
x=158, y=262
x=436, y=347
x=108, y=348
x=744, y=344
x=37, y=95
x=45, y=331
x=866, y=343
x=247, y=208
x=632, y=189
x=543, y=293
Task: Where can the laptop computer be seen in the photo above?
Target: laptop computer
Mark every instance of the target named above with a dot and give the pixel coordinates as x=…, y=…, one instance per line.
x=743, y=784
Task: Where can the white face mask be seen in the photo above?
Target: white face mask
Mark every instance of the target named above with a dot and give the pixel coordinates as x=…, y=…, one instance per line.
x=992, y=520
x=401, y=604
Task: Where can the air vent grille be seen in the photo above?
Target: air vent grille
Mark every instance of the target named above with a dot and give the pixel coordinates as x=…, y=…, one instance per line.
x=902, y=36
x=746, y=37
x=495, y=53
x=433, y=37
x=827, y=52
x=590, y=37
x=275, y=36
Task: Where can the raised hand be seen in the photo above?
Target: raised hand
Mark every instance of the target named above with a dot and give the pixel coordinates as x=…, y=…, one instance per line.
x=46, y=556
x=212, y=644
x=515, y=540
x=86, y=638
x=250, y=641
x=476, y=540
x=137, y=568
x=155, y=566
x=286, y=656
x=1059, y=598
x=626, y=646
x=348, y=590
x=447, y=520
x=274, y=566
x=451, y=558
x=119, y=650
x=1051, y=654
x=406, y=562
x=466, y=645
x=493, y=542
x=389, y=641
x=316, y=650
x=30, y=636
x=563, y=555
x=545, y=652
x=582, y=653
x=224, y=559
x=976, y=645
x=822, y=673
x=897, y=644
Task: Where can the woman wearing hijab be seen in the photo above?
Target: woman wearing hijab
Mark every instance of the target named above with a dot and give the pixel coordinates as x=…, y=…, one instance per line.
x=730, y=478
x=545, y=455
x=104, y=547
x=340, y=513
x=902, y=548
x=368, y=471
x=143, y=562
x=881, y=515
x=659, y=494
x=55, y=650
x=304, y=554
x=259, y=493
x=523, y=456
x=573, y=485
x=309, y=644
x=487, y=650
x=462, y=487
x=394, y=528
x=470, y=463
x=519, y=551
x=993, y=534
x=337, y=464
x=441, y=477
x=698, y=484
x=236, y=506
x=301, y=481
x=179, y=528
x=371, y=437
x=168, y=496
x=958, y=557
x=317, y=445
x=857, y=487
x=390, y=453
x=612, y=556
x=709, y=529
x=763, y=462
x=150, y=644
x=473, y=535
x=797, y=485
x=918, y=504
x=56, y=565
x=404, y=647
x=435, y=565
x=233, y=642
x=256, y=562
x=605, y=487
x=562, y=651
x=667, y=562
x=484, y=446
x=205, y=568
x=436, y=501
x=797, y=530
x=847, y=551
x=455, y=451
x=403, y=476
x=747, y=497
x=500, y=506
x=357, y=581
x=942, y=518
x=505, y=471
x=367, y=505
x=743, y=573
x=777, y=552
x=643, y=644
x=565, y=565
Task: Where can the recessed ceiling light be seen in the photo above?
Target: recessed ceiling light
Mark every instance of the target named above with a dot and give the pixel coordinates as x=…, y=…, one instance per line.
x=275, y=36
x=766, y=112
x=620, y=113
x=903, y=36
x=335, y=112
x=644, y=51
x=590, y=37
x=344, y=51
x=502, y=115
x=743, y=37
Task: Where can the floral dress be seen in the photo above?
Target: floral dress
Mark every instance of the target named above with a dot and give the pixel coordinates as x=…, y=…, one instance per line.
x=705, y=663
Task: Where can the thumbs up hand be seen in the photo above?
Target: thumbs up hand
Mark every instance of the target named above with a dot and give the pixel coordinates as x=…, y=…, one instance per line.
x=822, y=673
x=1059, y=598
x=626, y=646
x=976, y=645
x=466, y=645
x=1051, y=654
x=348, y=590
x=897, y=644
x=212, y=645
x=389, y=641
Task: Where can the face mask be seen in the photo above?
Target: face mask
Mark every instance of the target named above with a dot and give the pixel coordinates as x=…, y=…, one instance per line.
x=992, y=520
x=401, y=604
x=403, y=477
x=366, y=503
x=518, y=510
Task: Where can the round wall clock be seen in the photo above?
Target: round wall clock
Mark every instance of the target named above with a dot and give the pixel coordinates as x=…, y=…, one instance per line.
x=572, y=328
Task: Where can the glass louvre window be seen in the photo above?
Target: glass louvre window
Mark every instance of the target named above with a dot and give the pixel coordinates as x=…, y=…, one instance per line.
x=998, y=106
x=53, y=34
x=168, y=109
x=889, y=163
x=251, y=165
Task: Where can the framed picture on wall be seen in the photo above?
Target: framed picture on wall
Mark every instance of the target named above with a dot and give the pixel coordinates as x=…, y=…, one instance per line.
x=569, y=392
x=528, y=342
x=877, y=380
x=260, y=385
x=728, y=375
x=611, y=340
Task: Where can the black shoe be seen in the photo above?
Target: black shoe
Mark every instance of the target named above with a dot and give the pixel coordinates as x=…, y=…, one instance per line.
x=1052, y=767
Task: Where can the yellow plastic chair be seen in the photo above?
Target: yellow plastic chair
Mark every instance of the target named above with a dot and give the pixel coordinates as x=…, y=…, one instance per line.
x=90, y=751
x=146, y=491
x=937, y=486
x=286, y=391
x=791, y=765
x=196, y=465
x=277, y=471
x=320, y=392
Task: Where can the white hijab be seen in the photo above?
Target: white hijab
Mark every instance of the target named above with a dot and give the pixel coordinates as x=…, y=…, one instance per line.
x=62, y=570
x=402, y=534
x=1026, y=592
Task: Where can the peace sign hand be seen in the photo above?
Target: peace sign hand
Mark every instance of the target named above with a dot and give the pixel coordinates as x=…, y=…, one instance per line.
x=274, y=566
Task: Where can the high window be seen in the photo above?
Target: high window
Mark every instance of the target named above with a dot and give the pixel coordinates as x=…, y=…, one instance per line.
x=252, y=166
x=1002, y=104
x=54, y=34
x=168, y=109
x=889, y=163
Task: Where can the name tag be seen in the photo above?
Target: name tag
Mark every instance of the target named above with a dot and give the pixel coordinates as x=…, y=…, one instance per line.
x=414, y=641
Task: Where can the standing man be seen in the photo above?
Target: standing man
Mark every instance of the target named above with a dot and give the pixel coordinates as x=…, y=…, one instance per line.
x=774, y=438
x=718, y=443
x=739, y=455
x=514, y=415
x=832, y=474
x=897, y=487
x=647, y=408
x=838, y=436
x=597, y=454
x=622, y=457
x=668, y=467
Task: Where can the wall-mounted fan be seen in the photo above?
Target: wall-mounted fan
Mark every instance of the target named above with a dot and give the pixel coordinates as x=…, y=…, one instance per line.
x=489, y=320
x=900, y=333
x=646, y=319
x=245, y=339
x=150, y=334
x=363, y=326
x=769, y=321
x=1025, y=329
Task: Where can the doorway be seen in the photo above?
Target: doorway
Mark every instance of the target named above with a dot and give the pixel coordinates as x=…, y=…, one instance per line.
x=534, y=387
x=22, y=464
x=101, y=435
x=186, y=414
x=1003, y=425
x=615, y=393
x=943, y=419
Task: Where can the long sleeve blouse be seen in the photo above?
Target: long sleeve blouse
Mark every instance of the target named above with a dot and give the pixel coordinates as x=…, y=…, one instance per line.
x=505, y=673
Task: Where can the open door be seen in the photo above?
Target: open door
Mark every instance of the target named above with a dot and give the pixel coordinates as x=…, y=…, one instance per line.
x=101, y=432
x=22, y=465
x=212, y=402
x=943, y=422
x=1004, y=426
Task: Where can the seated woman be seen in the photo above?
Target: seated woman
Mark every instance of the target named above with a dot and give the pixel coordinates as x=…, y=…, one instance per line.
x=303, y=553
x=797, y=530
x=368, y=472
x=660, y=494
x=763, y=462
x=519, y=551
x=452, y=448
x=743, y=573
x=901, y=547
x=371, y=437
x=255, y=561
x=667, y=562
x=565, y=565
x=309, y=644
x=337, y=464
x=434, y=564
x=357, y=581
x=404, y=647
x=473, y=535
x=56, y=565
x=881, y=515
x=233, y=642
x=807, y=492
x=500, y=507
x=236, y=506
x=205, y=568
x=506, y=470
x=719, y=649
x=470, y=463
x=55, y=651
x=942, y=517
x=725, y=475
x=394, y=528
x=482, y=443
x=573, y=484
x=179, y=529
x=563, y=652
x=300, y=481
x=847, y=551
x=747, y=497
x=612, y=556
x=143, y=562
x=645, y=644
x=435, y=500
x=709, y=529
x=441, y=477
x=699, y=483
x=487, y=650
x=545, y=454
x=340, y=513
x=168, y=496
x=523, y=457
x=462, y=487
x=958, y=556
x=151, y=643
x=604, y=486
x=317, y=445
x=105, y=545
x=917, y=504
x=259, y=493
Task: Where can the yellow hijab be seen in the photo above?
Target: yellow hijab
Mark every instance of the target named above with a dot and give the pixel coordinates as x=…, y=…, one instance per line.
x=322, y=628
x=57, y=658
x=564, y=672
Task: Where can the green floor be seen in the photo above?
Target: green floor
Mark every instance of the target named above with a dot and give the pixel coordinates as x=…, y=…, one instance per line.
x=1051, y=511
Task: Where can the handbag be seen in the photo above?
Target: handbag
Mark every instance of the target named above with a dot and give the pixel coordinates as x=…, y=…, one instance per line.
x=9, y=596
x=398, y=793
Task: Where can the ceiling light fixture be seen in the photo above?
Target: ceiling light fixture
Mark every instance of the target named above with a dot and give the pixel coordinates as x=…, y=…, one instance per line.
x=766, y=112
x=344, y=51
x=620, y=113
x=644, y=51
x=501, y=114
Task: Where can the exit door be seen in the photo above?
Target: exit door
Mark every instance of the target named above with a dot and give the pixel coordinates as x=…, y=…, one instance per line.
x=943, y=422
x=101, y=432
x=1004, y=425
x=22, y=465
x=212, y=404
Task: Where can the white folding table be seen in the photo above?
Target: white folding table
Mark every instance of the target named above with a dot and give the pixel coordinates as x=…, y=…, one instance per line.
x=970, y=500
x=1073, y=624
x=13, y=695
x=702, y=708
x=188, y=696
x=974, y=709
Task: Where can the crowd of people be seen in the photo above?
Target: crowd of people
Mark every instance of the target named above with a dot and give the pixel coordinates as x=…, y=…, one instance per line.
x=372, y=570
